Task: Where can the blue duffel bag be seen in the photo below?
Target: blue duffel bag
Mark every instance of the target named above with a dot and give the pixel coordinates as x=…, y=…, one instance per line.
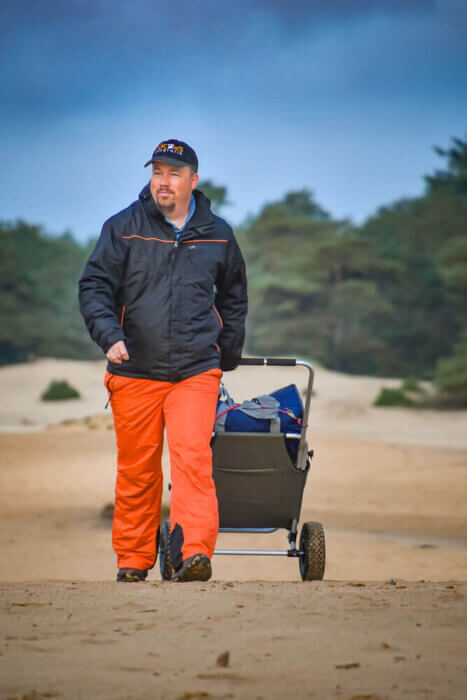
x=281, y=411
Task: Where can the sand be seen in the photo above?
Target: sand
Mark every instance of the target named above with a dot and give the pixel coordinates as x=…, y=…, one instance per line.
x=285, y=640
x=389, y=485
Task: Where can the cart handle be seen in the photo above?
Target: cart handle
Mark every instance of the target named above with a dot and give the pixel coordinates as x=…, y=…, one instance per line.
x=289, y=362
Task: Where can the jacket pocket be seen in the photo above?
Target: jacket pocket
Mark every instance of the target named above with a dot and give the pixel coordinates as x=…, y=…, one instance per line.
x=204, y=261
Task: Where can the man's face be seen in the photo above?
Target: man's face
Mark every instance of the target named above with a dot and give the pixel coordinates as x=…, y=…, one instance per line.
x=171, y=186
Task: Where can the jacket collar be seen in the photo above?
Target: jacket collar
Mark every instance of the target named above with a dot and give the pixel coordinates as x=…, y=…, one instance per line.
x=202, y=222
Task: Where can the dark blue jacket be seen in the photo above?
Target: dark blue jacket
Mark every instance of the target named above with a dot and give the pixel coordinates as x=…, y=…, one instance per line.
x=180, y=306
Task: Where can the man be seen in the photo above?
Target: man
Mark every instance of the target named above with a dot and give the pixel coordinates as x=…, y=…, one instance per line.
x=164, y=295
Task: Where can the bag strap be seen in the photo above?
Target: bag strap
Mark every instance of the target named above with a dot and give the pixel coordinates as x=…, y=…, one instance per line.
x=219, y=423
x=223, y=393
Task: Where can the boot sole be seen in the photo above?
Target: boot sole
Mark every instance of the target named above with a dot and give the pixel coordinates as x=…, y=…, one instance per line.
x=129, y=578
x=199, y=569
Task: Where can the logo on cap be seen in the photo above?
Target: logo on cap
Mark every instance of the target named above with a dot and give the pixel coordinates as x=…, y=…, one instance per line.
x=169, y=148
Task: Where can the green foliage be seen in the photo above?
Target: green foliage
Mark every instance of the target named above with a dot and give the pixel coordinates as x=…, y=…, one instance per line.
x=386, y=298
x=455, y=177
x=60, y=391
x=411, y=384
x=392, y=397
x=216, y=194
x=451, y=374
x=300, y=203
x=452, y=263
x=311, y=289
x=39, y=313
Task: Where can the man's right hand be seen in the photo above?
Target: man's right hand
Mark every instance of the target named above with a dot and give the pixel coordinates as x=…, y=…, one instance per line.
x=118, y=353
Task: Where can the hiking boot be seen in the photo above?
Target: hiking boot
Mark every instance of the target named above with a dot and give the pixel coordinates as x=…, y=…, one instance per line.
x=131, y=575
x=196, y=568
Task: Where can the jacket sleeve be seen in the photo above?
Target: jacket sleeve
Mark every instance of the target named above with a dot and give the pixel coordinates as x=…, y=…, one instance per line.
x=232, y=304
x=99, y=286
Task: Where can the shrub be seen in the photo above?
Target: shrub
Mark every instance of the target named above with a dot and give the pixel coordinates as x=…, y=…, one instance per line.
x=392, y=397
x=411, y=384
x=60, y=391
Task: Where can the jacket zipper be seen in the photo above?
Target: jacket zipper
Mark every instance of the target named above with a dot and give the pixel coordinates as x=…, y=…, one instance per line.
x=171, y=266
x=173, y=254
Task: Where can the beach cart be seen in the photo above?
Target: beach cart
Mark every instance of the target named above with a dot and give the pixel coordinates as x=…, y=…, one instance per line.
x=260, y=488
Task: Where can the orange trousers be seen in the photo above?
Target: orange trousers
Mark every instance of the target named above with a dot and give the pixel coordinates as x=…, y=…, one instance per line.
x=141, y=408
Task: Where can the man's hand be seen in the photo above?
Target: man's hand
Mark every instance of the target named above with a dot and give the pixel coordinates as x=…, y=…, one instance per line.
x=118, y=353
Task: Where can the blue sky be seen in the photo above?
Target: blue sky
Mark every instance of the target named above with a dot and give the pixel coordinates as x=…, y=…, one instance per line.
x=344, y=97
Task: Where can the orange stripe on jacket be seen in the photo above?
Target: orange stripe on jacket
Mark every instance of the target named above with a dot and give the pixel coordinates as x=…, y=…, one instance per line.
x=218, y=314
x=191, y=240
x=210, y=240
x=143, y=238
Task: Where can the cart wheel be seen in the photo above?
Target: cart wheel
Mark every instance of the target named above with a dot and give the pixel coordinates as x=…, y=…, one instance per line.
x=313, y=550
x=165, y=563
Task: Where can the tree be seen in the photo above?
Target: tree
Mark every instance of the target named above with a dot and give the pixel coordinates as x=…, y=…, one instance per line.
x=301, y=203
x=217, y=194
x=38, y=295
x=386, y=298
x=455, y=177
x=311, y=287
x=425, y=237
x=451, y=375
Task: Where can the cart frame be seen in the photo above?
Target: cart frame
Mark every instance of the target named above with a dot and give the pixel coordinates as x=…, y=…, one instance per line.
x=303, y=458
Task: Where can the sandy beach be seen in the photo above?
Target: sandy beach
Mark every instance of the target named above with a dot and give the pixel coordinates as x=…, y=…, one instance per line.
x=284, y=640
x=389, y=486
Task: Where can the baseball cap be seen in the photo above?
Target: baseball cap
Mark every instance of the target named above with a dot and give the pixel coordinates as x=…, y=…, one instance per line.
x=174, y=152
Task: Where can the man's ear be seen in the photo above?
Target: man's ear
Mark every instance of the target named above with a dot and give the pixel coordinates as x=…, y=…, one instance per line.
x=194, y=180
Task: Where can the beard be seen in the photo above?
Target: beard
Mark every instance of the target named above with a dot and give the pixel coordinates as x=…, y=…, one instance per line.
x=165, y=208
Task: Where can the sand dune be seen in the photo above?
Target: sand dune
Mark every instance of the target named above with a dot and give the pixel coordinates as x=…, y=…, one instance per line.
x=389, y=486
x=342, y=405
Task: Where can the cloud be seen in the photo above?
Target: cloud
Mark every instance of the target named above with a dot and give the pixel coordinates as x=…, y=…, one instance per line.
x=62, y=58
x=355, y=86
